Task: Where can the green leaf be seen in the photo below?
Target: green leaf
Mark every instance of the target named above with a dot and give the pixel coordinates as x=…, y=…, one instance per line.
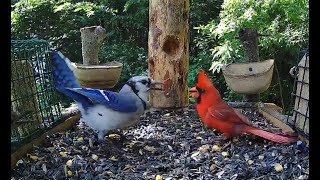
x=62, y=7
x=90, y=13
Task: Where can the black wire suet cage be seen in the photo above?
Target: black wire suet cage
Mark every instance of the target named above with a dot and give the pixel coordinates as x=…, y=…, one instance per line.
x=300, y=94
x=35, y=104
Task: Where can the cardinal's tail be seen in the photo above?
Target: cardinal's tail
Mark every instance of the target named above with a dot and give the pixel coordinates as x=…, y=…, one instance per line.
x=283, y=139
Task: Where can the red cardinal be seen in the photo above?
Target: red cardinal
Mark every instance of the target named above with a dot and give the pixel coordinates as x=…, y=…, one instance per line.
x=216, y=114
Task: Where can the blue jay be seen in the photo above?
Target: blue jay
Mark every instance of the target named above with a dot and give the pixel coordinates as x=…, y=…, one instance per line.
x=103, y=110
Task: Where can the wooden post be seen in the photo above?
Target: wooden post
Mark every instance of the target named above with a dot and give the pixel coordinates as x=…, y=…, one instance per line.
x=92, y=38
x=249, y=40
x=168, y=50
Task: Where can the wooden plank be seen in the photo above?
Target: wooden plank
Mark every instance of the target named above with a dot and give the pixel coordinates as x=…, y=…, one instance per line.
x=278, y=119
x=242, y=104
x=64, y=126
x=274, y=107
x=275, y=118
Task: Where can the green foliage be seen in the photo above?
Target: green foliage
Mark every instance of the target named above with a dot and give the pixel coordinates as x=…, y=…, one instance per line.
x=286, y=22
x=59, y=21
x=130, y=23
x=201, y=12
x=126, y=22
x=134, y=59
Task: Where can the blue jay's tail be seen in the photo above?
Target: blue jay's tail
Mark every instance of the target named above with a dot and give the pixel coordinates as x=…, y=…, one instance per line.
x=63, y=74
x=64, y=77
x=65, y=80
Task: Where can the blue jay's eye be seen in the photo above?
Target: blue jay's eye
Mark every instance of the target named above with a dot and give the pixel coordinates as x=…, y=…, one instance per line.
x=144, y=82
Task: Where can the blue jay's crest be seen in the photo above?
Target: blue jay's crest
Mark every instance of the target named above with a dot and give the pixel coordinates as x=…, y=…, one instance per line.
x=139, y=83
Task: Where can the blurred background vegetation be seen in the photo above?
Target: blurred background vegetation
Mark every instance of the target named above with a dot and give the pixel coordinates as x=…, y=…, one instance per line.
x=214, y=26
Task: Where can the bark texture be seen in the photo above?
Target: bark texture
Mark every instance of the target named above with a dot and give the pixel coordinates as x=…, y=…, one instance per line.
x=168, y=47
x=249, y=40
x=92, y=38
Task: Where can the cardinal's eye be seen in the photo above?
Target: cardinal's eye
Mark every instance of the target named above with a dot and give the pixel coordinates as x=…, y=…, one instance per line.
x=200, y=90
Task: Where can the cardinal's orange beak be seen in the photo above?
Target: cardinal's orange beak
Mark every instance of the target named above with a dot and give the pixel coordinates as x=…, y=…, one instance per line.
x=194, y=92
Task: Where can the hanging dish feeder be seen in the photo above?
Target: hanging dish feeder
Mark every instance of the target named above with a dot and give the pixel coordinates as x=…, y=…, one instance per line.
x=249, y=78
x=104, y=76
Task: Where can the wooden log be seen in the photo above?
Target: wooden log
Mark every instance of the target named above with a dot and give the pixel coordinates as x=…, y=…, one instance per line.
x=274, y=107
x=91, y=38
x=168, y=51
x=272, y=115
x=275, y=118
x=64, y=126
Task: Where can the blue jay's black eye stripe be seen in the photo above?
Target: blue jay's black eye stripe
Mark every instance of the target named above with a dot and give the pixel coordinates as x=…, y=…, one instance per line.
x=144, y=82
x=149, y=81
x=133, y=87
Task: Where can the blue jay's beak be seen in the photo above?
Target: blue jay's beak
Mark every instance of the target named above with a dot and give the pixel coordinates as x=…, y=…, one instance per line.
x=153, y=83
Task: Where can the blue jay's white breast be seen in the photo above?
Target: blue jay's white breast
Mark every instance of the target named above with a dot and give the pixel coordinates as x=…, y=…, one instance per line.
x=101, y=118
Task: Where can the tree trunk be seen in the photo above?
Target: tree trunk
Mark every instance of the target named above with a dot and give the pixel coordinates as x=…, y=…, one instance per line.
x=168, y=46
x=249, y=40
x=92, y=38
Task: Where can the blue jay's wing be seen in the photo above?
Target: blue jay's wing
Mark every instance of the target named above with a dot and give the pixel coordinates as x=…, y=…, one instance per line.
x=113, y=100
